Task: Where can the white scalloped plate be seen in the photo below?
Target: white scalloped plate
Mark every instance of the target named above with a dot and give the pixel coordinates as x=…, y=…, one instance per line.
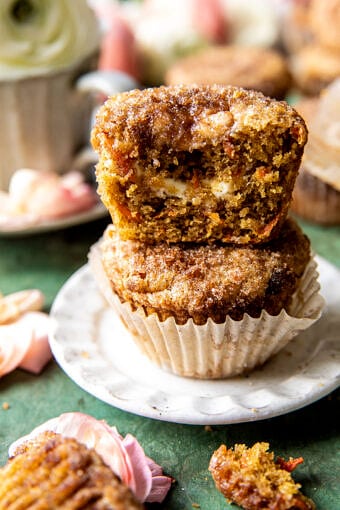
x=96, y=212
x=94, y=349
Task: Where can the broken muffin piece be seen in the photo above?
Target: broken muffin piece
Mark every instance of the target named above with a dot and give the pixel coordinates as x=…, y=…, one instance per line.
x=192, y=163
x=57, y=472
x=251, y=478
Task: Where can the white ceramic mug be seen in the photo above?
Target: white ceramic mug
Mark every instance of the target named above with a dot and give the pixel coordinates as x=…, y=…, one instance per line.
x=45, y=120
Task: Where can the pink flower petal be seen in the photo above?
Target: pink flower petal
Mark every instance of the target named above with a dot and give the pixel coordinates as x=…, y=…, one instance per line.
x=209, y=20
x=39, y=352
x=15, y=304
x=53, y=200
x=36, y=195
x=160, y=483
x=15, y=340
x=142, y=475
x=23, y=184
x=160, y=487
x=118, y=49
x=71, y=180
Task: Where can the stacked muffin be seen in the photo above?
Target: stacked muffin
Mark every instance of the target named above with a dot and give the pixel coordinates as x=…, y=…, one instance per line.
x=201, y=262
x=312, y=39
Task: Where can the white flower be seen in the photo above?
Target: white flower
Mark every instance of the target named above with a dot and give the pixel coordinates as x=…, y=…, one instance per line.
x=37, y=36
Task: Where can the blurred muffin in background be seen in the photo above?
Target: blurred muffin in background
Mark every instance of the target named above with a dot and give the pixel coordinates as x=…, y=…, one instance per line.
x=295, y=29
x=314, y=67
x=325, y=22
x=316, y=195
x=310, y=34
x=261, y=69
x=156, y=33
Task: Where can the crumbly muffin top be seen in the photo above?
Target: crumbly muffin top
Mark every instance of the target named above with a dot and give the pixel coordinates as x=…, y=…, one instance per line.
x=201, y=281
x=315, y=63
x=260, y=69
x=187, y=117
x=53, y=471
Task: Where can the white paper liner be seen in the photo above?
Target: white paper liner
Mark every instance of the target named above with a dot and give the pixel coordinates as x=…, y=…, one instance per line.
x=212, y=351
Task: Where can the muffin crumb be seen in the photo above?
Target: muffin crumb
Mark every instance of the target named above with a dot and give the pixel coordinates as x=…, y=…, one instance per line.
x=251, y=478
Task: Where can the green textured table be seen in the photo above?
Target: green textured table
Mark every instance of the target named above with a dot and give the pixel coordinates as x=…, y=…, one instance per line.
x=46, y=261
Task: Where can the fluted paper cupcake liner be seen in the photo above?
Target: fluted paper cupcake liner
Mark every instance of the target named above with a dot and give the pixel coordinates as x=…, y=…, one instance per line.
x=44, y=121
x=212, y=351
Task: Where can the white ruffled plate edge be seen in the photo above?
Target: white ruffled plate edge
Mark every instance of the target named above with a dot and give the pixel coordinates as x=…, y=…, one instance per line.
x=111, y=368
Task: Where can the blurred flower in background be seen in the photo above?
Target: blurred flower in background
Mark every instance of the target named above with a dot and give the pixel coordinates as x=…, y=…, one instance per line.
x=143, y=38
x=37, y=36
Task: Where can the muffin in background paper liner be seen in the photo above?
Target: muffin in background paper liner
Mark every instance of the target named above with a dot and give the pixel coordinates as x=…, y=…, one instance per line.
x=316, y=194
x=213, y=351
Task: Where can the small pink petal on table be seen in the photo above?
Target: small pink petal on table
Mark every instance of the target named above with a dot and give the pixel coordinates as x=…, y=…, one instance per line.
x=15, y=304
x=15, y=340
x=39, y=352
x=24, y=343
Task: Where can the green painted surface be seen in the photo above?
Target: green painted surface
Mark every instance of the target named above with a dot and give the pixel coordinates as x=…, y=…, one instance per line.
x=45, y=262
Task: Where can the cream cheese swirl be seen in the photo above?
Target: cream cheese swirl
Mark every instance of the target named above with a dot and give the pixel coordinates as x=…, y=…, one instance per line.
x=39, y=36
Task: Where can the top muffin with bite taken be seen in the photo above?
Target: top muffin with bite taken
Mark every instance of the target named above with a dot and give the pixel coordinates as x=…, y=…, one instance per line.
x=193, y=163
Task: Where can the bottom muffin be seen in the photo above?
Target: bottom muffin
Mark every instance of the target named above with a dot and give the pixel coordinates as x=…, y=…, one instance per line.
x=210, y=311
x=313, y=68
